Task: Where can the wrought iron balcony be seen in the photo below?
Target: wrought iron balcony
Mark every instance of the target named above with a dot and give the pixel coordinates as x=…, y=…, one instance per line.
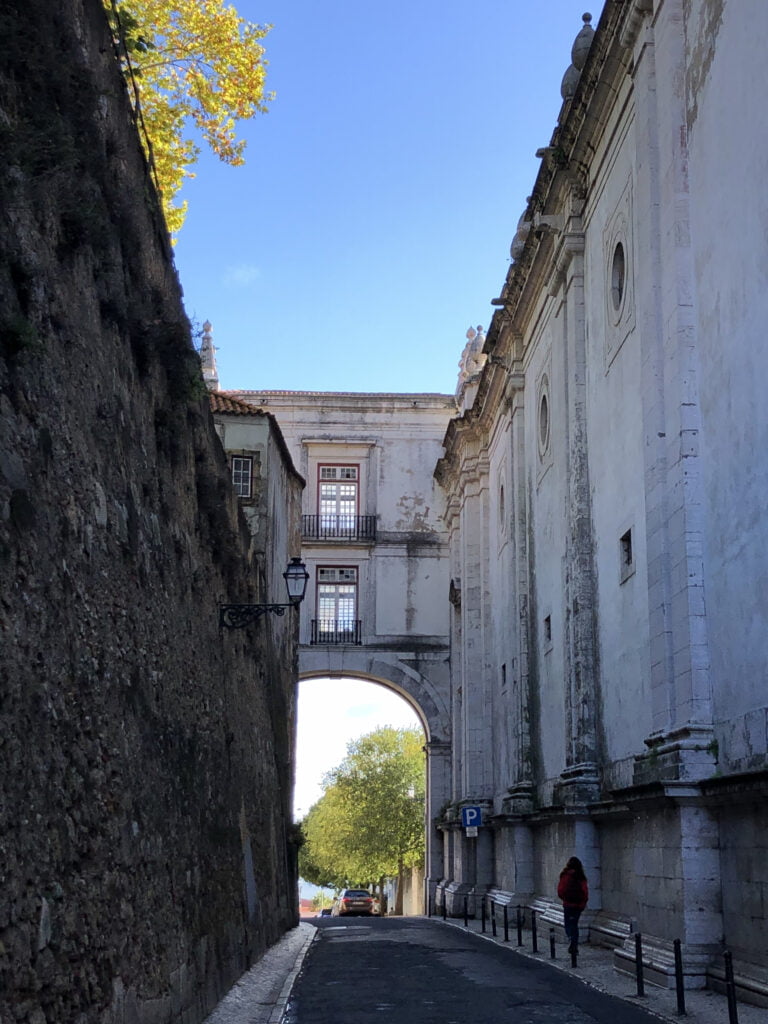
x=338, y=527
x=337, y=631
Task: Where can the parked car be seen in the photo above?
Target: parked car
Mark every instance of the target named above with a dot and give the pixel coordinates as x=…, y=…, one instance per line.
x=353, y=901
x=325, y=912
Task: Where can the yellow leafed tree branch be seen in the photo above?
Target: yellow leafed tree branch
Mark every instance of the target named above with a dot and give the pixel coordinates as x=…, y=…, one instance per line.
x=194, y=63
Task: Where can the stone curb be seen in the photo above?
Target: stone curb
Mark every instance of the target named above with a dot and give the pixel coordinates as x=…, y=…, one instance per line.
x=310, y=934
x=261, y=995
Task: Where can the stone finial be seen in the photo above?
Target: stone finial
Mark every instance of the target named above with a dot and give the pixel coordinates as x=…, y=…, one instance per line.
x=521, y=234
x=472, y=358
x=579, y=54
x=582, y=43
x=208, y=358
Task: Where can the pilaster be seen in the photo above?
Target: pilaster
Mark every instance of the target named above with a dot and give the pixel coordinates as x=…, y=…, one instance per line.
x=580, y=781
x=680, y=665
x=438, y=795
x=520, y=799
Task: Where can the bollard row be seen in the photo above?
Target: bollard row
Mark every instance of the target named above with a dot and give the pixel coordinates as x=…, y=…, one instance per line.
x=485, y=915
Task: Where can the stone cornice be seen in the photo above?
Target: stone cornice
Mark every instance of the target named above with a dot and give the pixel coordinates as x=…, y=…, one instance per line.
x=554, y=211
x=563, y=174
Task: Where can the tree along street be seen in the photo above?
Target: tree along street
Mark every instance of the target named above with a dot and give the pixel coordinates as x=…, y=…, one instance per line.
x=417, y=971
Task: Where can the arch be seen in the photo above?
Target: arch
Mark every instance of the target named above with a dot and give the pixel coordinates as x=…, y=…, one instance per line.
x=422, y=679
x=423, y=692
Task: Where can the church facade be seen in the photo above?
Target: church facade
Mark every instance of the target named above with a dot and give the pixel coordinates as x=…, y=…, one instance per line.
x=606, y=502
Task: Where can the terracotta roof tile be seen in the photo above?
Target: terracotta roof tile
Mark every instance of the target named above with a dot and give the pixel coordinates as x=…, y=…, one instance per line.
x=224, y=403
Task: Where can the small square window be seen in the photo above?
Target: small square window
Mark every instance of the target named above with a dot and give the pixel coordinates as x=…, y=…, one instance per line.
x=626, y=556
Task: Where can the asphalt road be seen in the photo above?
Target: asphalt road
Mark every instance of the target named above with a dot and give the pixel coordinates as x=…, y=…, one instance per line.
x=411, y=971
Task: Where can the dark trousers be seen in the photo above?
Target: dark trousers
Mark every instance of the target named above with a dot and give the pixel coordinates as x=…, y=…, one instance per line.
x=571, y=917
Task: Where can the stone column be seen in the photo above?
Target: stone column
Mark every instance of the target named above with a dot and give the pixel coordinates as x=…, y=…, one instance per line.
x=681, y=743
x=477, y=768
x=586, y=846
x=580, y=780
x=521, y=781
x=524, y=865
x=438, y=795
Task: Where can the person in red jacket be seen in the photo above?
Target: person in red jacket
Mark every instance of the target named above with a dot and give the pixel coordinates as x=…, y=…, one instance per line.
x=573, y=890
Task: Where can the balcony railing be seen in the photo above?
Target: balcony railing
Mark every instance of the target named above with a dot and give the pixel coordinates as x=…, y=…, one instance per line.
x=338, y=527
x=337, y=631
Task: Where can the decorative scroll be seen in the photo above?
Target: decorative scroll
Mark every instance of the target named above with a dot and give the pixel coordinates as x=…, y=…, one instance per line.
x=237, y=616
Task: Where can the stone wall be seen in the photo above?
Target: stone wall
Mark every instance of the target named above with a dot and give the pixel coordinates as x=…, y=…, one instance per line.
x=144, y=859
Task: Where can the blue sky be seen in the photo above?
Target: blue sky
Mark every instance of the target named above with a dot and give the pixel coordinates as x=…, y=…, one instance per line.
x=371, y=224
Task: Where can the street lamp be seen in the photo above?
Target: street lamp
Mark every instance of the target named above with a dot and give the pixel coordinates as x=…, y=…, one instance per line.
x=235, y=616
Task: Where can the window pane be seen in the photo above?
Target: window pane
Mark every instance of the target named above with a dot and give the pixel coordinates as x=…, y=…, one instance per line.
x=241, y=476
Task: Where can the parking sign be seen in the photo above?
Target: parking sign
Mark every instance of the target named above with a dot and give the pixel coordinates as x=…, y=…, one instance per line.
x=471, y=817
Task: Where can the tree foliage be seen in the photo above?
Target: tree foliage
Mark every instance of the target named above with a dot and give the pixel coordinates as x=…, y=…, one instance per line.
x=193, y=63
x=369, y=823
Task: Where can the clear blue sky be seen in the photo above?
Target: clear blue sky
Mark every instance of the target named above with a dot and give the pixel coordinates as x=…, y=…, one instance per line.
x=371, y=224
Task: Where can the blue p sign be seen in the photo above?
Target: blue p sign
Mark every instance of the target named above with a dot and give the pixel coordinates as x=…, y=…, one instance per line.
x=471, y=817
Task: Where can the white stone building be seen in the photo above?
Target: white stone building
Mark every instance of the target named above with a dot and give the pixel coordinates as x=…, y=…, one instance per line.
x=607, y=495
x=374, y=542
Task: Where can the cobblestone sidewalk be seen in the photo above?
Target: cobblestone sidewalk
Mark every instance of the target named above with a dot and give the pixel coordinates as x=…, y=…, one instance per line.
x=260, y=996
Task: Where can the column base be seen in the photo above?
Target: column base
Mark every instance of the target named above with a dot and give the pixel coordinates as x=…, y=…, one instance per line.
x=519, y=800
x=688, y=754
x=579, y=784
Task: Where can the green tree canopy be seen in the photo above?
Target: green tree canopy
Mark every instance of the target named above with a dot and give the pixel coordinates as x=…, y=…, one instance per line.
x=191, y=62
x=369, y=823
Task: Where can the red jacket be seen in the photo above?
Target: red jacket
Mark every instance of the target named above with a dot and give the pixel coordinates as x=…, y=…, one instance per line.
x=566, y=886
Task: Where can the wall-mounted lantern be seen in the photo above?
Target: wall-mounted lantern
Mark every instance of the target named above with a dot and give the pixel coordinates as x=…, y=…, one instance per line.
x=235, y=616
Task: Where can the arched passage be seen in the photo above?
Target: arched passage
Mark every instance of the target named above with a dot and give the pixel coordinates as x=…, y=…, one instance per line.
x=421, y=680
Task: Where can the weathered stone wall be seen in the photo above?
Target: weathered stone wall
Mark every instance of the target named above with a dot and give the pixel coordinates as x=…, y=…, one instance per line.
x=143, y=852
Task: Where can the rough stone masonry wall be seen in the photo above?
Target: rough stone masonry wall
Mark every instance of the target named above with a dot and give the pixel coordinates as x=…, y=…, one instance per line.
x=143, y=854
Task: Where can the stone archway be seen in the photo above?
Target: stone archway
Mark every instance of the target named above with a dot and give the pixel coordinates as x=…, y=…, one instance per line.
x=421, y=679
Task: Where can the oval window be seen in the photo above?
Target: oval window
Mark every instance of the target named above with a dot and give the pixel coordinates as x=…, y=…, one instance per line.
x=618, y=275
x=543, y=422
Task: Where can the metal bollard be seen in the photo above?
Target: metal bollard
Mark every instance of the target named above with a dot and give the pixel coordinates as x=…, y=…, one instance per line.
x=574, y=955
x=519, y=925
x=429, y=906
x=551, y=943
x=639, y=963
x=466, y=911
x=679, y=981
x=534, y=936
x=506, y=924
x=730, y=989
x=445, y=905
x=493, y=918
x=482, y=916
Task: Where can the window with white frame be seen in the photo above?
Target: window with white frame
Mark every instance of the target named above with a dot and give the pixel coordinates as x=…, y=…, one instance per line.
x=242, y=475
x=337, y=598
x=337, y=498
